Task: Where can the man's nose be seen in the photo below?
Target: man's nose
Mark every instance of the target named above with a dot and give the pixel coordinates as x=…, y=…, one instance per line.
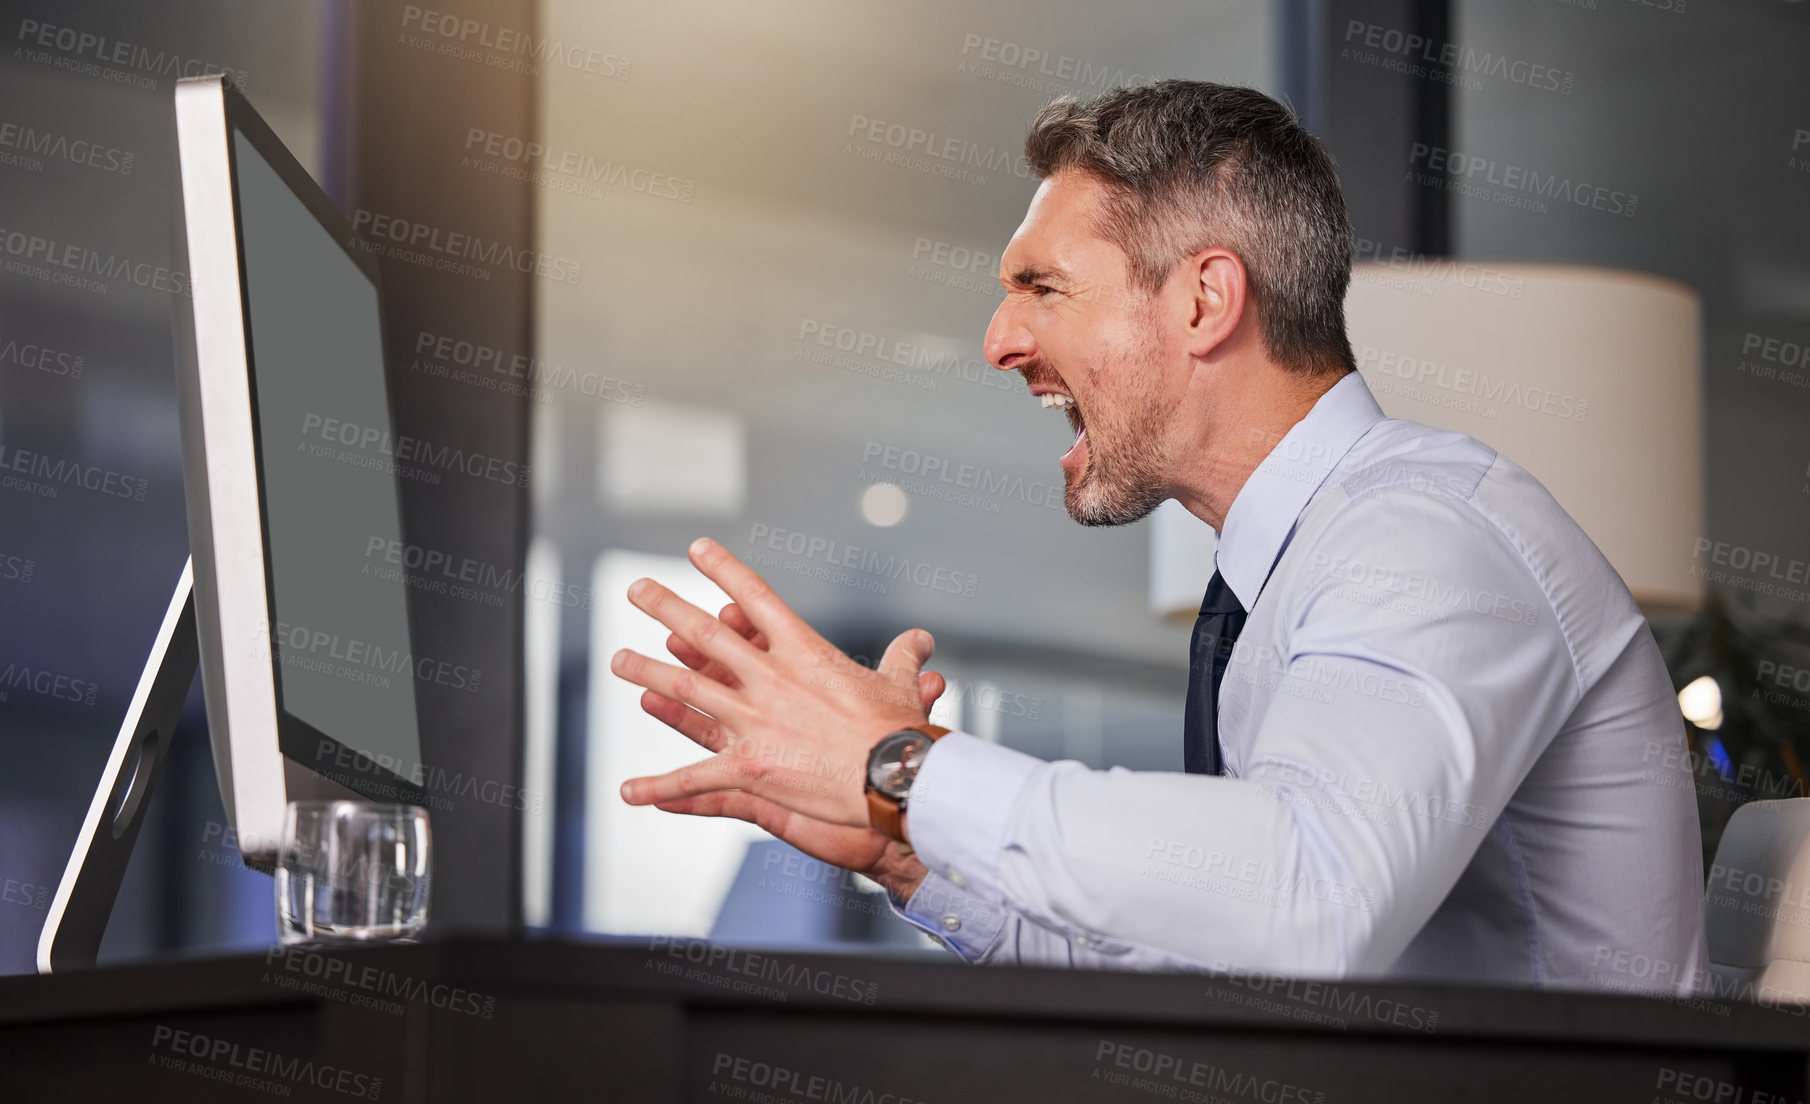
x=1008, y=343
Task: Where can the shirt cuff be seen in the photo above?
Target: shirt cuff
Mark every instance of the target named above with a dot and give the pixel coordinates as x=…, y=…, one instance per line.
x=961, y=806
x=958, y=920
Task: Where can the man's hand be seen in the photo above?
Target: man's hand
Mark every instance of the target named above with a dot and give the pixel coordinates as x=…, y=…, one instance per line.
x=862, y=850
x=791, y=723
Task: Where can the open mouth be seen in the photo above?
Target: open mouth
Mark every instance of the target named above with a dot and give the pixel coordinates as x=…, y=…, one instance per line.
x=1054, y=398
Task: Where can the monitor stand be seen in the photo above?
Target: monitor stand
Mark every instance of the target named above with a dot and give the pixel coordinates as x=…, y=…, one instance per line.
x=84, y=900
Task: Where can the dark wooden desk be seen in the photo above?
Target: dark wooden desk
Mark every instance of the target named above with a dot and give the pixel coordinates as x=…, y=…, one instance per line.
x=670, y=1020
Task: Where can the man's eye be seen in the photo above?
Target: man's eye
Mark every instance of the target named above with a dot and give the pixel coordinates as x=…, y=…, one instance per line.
x=1042, y=290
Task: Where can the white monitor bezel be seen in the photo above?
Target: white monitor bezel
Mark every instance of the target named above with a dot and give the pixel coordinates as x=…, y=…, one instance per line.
x=249, y=730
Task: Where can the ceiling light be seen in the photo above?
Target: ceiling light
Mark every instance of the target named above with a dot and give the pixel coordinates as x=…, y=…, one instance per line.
x=883, y=504
x=1701, y=702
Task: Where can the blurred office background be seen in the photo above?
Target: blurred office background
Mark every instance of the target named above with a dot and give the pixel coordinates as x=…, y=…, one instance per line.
x=768, y=239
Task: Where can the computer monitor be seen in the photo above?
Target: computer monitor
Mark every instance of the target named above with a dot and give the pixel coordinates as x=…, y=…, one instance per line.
x=295, y=601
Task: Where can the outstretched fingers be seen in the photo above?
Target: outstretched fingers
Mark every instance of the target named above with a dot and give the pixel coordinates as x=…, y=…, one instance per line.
x=695, y=726
x=736, y=621
x=754, y=596
x=681, y=685
x=737, y=618
x=723, y=771
x=707, y=636
x=719, y=803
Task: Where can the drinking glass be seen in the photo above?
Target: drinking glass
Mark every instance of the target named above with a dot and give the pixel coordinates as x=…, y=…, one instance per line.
x=352, y=872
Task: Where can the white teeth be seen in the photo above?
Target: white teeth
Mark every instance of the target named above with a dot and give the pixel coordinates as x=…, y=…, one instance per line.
x=1053, y=400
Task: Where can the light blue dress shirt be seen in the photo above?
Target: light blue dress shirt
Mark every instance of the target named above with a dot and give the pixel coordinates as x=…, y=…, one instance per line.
x=1451, y=748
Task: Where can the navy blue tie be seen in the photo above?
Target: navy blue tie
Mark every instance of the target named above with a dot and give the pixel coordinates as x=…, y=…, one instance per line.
x=1221, y=620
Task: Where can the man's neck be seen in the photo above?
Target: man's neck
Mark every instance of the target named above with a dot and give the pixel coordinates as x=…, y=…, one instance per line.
x=1236, y=431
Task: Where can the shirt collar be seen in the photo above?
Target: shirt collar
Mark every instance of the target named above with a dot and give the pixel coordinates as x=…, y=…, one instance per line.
x=1264, y=511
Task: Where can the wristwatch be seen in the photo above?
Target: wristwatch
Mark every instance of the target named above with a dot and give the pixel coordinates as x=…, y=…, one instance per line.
x=892, y=766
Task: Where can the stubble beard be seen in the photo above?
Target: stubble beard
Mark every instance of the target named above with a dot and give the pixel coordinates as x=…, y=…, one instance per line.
x=1123, y=479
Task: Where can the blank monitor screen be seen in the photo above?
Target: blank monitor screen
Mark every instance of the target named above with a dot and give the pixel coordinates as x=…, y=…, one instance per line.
x=332, y=516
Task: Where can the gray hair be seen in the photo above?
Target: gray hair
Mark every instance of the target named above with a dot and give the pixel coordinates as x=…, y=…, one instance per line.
x=1188, y=165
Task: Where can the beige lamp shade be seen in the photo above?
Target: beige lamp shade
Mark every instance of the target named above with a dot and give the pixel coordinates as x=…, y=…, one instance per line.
x=1588, y=378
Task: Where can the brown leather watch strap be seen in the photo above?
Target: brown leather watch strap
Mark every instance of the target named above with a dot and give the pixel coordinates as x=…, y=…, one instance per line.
x=883, y=813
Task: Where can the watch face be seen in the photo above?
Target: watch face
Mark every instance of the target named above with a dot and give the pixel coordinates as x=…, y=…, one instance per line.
x=894, y=762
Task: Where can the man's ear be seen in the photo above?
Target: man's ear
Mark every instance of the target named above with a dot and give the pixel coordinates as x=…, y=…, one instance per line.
x=1217, y=292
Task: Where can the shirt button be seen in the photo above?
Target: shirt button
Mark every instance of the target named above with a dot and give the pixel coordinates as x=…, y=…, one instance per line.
x=956, y=879
x=1081, y=940
x=952, y=922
